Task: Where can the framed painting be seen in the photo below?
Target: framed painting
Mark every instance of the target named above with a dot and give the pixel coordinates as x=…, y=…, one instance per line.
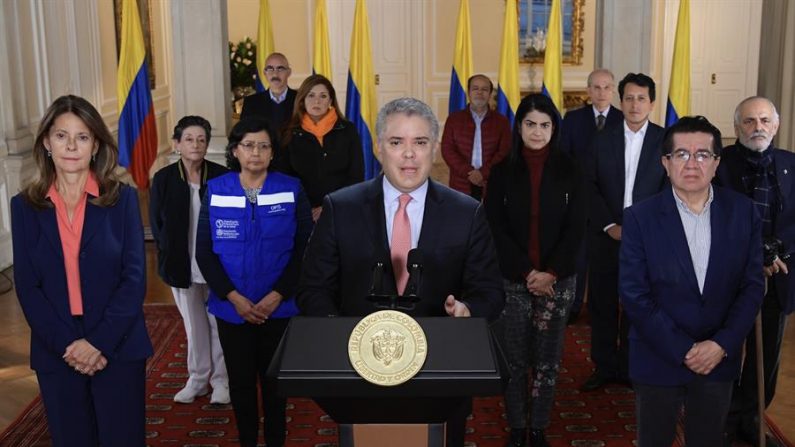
x=533, y=18
x=146, y=24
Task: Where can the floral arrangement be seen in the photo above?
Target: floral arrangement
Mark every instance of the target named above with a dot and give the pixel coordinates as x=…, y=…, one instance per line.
x=243, y=66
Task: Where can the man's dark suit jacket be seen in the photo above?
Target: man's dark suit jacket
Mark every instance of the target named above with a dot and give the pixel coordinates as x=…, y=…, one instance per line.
x=730, y=172
x=350, y=237
x=659, y=290
x=261, y=105
x=112, y=276
x=607, y=187
x=579, y=128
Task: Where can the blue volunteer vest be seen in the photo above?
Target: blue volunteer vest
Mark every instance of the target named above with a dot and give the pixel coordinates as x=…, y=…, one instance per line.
x=253, y=242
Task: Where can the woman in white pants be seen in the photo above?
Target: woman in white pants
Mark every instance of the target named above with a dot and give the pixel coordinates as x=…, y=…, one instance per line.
x=175, y=200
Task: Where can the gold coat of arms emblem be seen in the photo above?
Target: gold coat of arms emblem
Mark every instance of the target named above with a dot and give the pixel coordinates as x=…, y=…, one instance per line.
x=387, y=348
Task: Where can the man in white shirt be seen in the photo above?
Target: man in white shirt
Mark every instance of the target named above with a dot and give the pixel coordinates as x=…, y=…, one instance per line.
x=624, y=169
x=380, y=220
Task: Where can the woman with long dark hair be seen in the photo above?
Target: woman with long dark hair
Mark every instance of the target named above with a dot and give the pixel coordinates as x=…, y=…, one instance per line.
x=322, y=148
x=535, y=206
x=79, y=269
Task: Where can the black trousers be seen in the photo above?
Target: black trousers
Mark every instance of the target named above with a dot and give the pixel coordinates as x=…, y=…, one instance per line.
x=706, y=404
x=609, y=326
x=248, y=350
x=743, y=416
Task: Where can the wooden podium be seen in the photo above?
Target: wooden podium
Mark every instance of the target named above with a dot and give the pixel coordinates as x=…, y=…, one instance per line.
x=463, y=361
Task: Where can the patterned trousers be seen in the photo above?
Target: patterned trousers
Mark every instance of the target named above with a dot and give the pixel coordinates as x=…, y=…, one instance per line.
x=534, y=327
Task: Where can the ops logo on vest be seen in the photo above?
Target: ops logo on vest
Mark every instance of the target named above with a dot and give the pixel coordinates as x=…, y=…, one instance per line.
x=227, y=229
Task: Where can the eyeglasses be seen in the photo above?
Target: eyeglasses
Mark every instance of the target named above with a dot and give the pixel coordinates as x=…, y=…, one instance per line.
x=279, y=68
x=249, y=146
x=683, y=156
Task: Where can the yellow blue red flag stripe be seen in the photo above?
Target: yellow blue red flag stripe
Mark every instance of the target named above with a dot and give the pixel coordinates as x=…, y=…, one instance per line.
x=508, y=79
x=321, y=53
x=265, y=44
x=360, y=104
x=553, y=78
x=137, y=127
x=679, y=91
x=462, y=60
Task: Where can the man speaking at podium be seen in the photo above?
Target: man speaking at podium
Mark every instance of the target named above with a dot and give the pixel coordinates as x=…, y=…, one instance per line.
x=377, y=222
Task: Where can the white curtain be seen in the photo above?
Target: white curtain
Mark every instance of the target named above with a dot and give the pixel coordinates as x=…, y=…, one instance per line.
x=777, y=65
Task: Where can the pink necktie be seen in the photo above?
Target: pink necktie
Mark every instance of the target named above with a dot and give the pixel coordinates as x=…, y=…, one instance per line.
x=401, y=243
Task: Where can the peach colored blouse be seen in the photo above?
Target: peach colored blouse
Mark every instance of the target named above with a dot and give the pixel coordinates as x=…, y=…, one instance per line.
x=70, y=233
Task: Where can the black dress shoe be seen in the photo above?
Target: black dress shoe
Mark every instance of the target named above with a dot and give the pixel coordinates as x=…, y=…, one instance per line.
x=537, y=439
x=594, y=382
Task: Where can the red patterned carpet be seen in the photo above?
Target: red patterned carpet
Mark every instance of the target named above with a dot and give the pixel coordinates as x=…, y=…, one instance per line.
x=600, y=419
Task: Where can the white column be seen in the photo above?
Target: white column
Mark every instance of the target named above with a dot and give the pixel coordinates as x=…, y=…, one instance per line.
x=201, y=66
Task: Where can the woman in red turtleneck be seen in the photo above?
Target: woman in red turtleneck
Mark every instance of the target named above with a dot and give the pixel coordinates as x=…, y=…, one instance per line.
x=535, y=204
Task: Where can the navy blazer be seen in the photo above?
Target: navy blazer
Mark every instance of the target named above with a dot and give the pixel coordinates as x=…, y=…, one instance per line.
x=579, y=128
x=730, y=173
x=350, y=237
x=659, y=290
x=607, y=177
x=112, y=276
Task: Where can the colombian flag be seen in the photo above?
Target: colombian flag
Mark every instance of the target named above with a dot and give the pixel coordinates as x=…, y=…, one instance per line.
x=679, y=91
x=360, y=104
x=321, y=53
x=553, y=79
x=462, y=60
x=508, y=85
x=137, y=128
x=264, y=43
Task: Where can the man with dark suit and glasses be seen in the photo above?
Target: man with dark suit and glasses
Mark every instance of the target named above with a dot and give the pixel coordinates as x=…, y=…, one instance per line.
x=624, y=169
x=755, y=167
x=690, y=283
x=392, y=213
x=275, y=104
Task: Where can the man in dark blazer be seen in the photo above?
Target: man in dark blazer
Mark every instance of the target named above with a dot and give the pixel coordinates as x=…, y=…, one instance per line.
x=759, y=170
x=624, y=169
x=361, y=225
x=275, y=104
x=580, y=125
x=690, y=282
x=576, y=139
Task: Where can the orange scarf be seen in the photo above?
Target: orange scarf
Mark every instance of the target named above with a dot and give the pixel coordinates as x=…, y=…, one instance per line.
x=322, y=127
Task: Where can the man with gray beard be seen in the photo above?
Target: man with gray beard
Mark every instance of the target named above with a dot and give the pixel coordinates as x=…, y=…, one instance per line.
x=475, y=139
x=764, y=173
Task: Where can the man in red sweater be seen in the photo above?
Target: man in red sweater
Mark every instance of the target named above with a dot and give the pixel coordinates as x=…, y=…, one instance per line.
x=475, y=139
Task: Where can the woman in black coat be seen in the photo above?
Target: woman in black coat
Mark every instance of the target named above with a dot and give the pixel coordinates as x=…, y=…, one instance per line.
x=174, y=203
x=322, y=148
x=535, y=205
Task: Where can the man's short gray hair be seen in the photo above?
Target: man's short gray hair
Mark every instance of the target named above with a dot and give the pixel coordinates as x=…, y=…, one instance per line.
x=737, y=117
x=408, y=107
x=599, y=71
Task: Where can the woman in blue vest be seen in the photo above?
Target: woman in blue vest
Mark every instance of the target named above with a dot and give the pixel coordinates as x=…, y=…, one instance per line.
x=253, y=227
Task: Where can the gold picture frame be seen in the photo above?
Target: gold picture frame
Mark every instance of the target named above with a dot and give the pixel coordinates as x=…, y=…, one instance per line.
x=573, y=24
x=144, y=9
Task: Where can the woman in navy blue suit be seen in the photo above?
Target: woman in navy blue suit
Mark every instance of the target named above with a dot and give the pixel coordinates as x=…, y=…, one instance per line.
x=79, y=268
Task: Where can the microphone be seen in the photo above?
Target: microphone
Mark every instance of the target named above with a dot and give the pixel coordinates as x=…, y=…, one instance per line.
x=377, y=279
x=414, y=264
